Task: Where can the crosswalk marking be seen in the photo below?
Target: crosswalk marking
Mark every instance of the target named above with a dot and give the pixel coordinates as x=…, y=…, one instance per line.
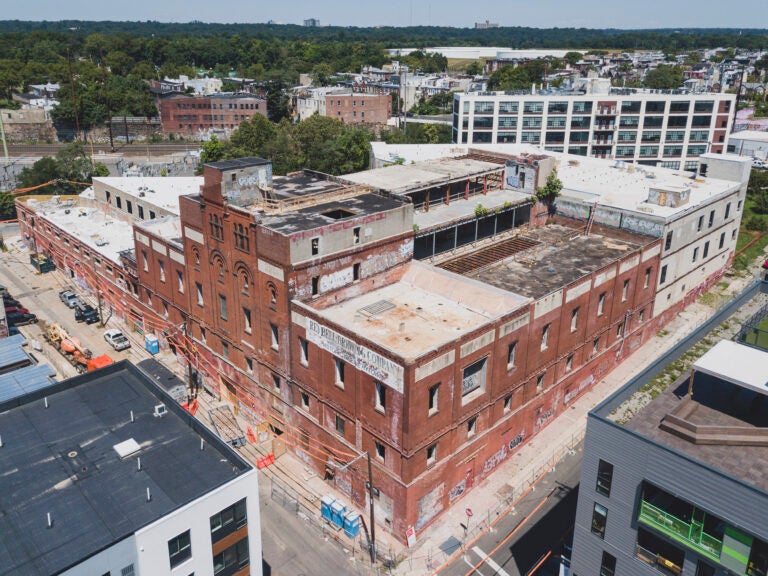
x=498, y=570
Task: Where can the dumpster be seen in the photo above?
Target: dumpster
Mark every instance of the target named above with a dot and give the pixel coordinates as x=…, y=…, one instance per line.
x=325, y=506
x=337, y=513
x=151, y=343
x=351, y=523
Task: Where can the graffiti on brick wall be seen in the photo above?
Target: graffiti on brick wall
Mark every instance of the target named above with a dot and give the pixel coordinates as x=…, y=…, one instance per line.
x=496, y=459
x=516, y=441
x=430, y=505
x=574, y=392
x=543, y=417
x=460, y=488
x=608, y=217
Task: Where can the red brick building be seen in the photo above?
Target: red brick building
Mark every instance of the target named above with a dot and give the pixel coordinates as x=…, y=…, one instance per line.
x=358, y=108
x=204, y=116
x=308, y=313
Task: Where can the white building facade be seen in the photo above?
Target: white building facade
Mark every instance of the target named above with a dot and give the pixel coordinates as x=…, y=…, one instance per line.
x=667, y=128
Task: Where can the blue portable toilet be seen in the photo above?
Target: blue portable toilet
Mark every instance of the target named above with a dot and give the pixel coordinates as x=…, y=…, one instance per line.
x=337, y=513
x=151, y=343
x=351, y=523
x=325, y=506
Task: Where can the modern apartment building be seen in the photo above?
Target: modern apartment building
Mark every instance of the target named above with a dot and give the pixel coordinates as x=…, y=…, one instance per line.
x=668, y=128
x=105, y=474
x=678, y=486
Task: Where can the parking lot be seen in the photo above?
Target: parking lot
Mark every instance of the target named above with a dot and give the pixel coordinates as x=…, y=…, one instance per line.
x=39, y=293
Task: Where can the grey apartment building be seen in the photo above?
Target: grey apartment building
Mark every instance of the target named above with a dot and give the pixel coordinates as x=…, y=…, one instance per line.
x=679, y=486
x=667, y=128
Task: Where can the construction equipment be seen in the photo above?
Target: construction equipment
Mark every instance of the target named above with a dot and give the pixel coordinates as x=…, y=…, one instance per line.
x=81, y=358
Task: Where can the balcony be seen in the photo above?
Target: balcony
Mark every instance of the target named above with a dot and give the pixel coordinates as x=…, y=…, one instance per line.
x=691, y=535
x=602, y=142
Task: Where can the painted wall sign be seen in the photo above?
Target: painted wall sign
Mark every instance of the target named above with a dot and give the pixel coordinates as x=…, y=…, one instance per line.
x=362, y=358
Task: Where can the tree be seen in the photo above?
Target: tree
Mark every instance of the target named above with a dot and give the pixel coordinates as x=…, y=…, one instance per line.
x=42, y=171
x=518, y=77
x=550, y=191
x=474, y=68
x=321, y=74
x=278, y=102
x=573, y=57
x=664, y=77
x=211, y=151
x=7, y=206
x=251, y=137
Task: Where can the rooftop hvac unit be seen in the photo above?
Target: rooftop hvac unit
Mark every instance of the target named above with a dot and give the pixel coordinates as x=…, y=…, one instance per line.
x=160, y=411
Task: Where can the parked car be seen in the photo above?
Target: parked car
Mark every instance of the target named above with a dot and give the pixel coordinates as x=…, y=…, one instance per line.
x=17, y=319
x=4, y=290
x=117, y=339
x=86, y=313
x=16, y=310
x=765, y=265
x=757, y=163
x=69, y=298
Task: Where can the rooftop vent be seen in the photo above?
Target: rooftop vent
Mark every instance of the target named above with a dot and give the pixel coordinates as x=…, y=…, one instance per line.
x=126, y=448
x=377, y=308
x=160, y=411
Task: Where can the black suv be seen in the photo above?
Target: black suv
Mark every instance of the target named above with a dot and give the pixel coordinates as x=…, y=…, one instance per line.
x=86, y=313
x=19, y=319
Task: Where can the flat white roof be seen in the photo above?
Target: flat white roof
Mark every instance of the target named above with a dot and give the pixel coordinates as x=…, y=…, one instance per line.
x=618, y=184
x=427, y=308
x=736, y=363
x=159, y=191
x=166, y=227
x=100, y=231
x=753, y=135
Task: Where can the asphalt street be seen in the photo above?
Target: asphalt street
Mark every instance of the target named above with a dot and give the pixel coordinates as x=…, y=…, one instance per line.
x=526, y=540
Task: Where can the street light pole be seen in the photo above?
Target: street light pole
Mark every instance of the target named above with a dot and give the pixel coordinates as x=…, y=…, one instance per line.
x=370, y=500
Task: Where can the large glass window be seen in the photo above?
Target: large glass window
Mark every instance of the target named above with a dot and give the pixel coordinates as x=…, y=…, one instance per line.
x=625, y=151
x=629, y=121
x=679, y=121
x=534, y=122
x=680, y=107
x=556, y=122
x=655, y=107
x=627, y=136
x=508, y=122
x=483, y=107
x=648, y=151
x=675, y=135
x=604, y=478
x=179, y=548
x=531, y=137
x=630, y=106
x=508, y=107
x=506, y=137
x=228, y=520
x=580, y=122
x=701, y=121
x=579, y=137
x=558, y=108
x=483, y=122
x=651, y=136
x=673, y=151
x=582, y=107
x=236, y=557
x=533, y=107
x=555, y=137
x=703, y=106
x=698, y=136
x=653, y=121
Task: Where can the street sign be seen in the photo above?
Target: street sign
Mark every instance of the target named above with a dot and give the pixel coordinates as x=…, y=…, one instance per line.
x=469, y=512
x=410, y=536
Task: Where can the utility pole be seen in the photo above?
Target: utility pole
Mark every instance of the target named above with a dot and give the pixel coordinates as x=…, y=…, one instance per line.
x=2, y=135
x=106, y=100
x=74, y=99
x=370, y=500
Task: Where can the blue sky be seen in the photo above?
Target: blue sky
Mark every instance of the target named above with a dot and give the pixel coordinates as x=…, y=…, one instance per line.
x=459, y=13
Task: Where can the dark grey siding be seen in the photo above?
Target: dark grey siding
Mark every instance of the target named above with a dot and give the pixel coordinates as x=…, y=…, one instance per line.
x=636, y=459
